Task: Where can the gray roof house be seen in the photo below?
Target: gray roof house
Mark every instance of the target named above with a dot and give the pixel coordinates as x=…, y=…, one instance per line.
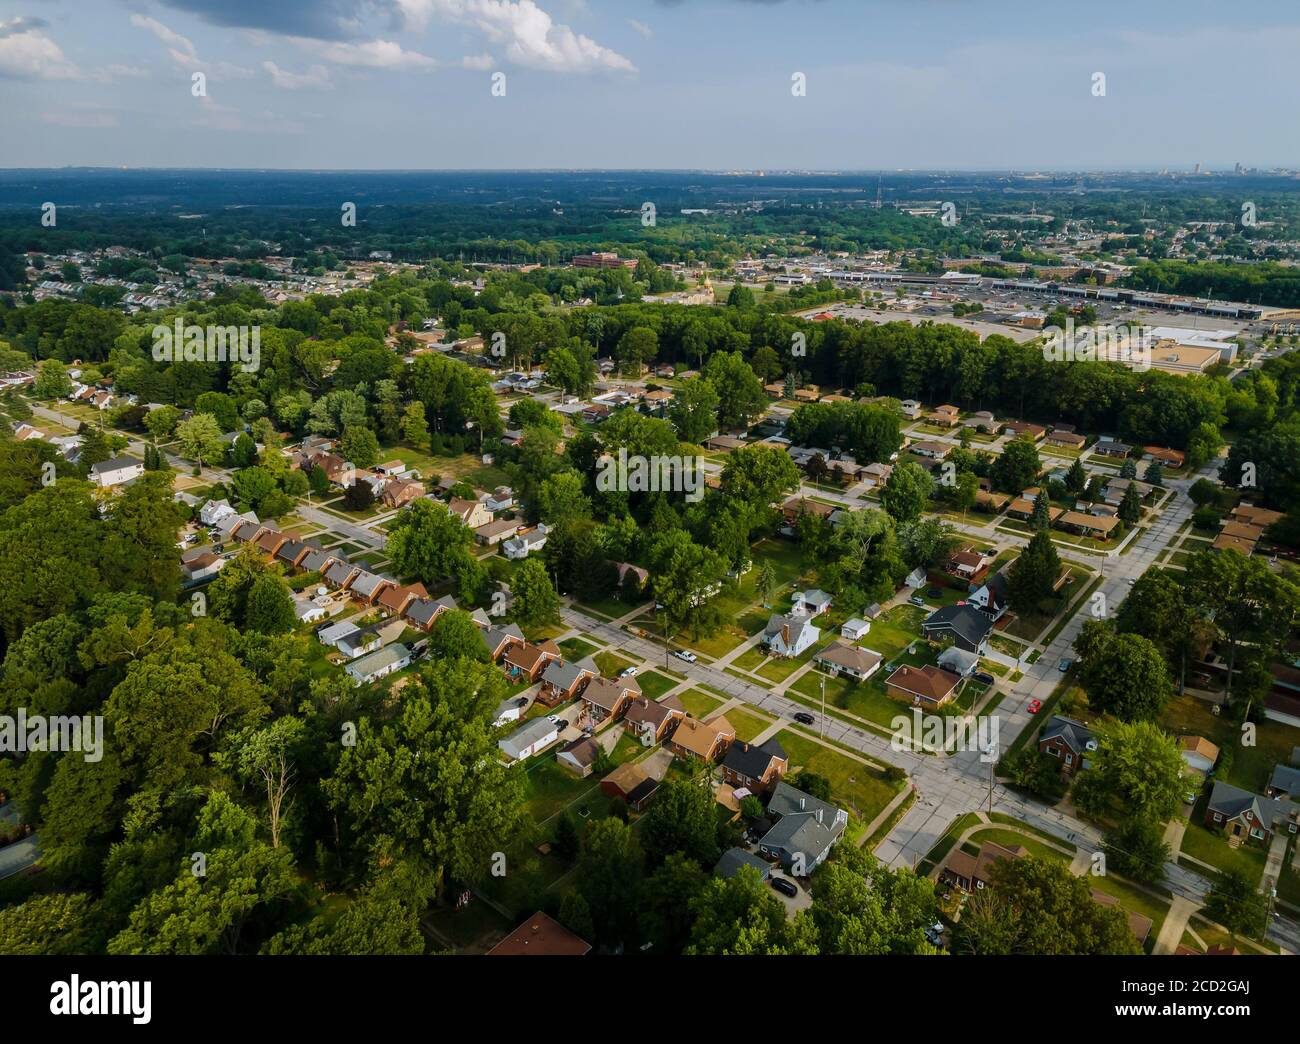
x=529, y=738
x=806, y=828
x=314, y=560
x=341, y=572
x=1284, y=782
x=734, y=858
x=959, y=661
x=967, y=626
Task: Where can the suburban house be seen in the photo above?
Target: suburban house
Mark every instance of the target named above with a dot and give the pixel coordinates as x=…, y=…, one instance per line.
x=842, y=658
x=735, y=858
x=701, y=739
x=991, y=597
x=804, y=831
x=116, y=471
x=529, y=738
x=292, y=551
x=1066, y=439
x=524, y=659
x=933, y=450
x=958, y=661
x=652, y=721
x=359, y=642
x=307, y=610
x=970, y=565
x=966, y=626
x=1108, y=447
x=796, y=506
x=397, y=598
x=199, y=563
x=810, y=603
x=500, y=499
x=1244, y=816
x=1099, y=527
x=400, y=492
x=911, y=408
x=562, y=681
x=1199, y=755
x=1069, y=741
x=971, y=872
x=945, y=416
x=335, y=632
x=790, y=635
x=927, y=686
x=631, y=783
x=755, y=767
x=470, y=512
x=1023, y=429
x=609, y=697
x=1284, y=782
x=213, y=511
x=980, y=419
x=526, y=541
x=341, y=573
x=854, y=629
x=368, y=586
x=498, y=640
x=579, y=756
x=314, y=561
x=375, y=666
x=496, y=531
x=1162, y=455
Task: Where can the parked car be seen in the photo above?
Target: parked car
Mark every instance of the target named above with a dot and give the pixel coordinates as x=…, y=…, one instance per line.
x=917, y=600
x=682, y=654
x=1064, y=665
x=628, y=672
x=785, y=887
x=804, y=718
x=983, y=677
x=1035, y=706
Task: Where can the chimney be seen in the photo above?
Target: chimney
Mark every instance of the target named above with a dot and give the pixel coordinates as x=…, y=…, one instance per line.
x=819, y=815
x=802, y=802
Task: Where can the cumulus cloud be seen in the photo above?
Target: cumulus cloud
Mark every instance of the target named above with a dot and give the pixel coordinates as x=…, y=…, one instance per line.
x=641, y=28
x=27, y=53
x=526, y=33
x=479, y=62
x=317, y=76
x=370, y=54
x=182, y=51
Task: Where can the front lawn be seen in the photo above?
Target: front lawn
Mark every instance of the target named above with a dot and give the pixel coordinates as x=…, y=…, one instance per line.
x=1209, y=847
x=747, y=723
x=654, y=685
x=863, y=789
x=699, y=704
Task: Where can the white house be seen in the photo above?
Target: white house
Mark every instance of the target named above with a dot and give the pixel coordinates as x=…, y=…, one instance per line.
x=336, y=632
x=959, y=661
x=378, y=664
x=500, y=499
x=214, y=511
x=528, y=739
x=911, y=408
x=306, y=610
x=854, y=629
x=521, y=545
x=790, y=635
x=116, y=471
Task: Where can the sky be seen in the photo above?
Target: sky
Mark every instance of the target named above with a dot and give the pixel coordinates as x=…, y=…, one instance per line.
x=650, y=84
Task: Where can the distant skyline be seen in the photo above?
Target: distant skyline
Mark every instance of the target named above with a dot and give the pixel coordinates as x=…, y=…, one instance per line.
x=649, y=84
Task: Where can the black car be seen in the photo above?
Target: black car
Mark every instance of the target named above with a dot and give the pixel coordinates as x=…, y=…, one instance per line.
x=983, y=677
x=785, y=887
x=804, y=718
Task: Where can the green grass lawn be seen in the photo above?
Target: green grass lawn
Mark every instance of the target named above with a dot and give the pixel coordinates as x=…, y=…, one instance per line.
x=748, y=723
x=699, y=704
x=654, y=685
x=939, y=851
x=1209, y=847
x=864, y=790
x=611, y=665
x=577, y=648
x=750, y=659
x=1251, y=766
x=1008, y=837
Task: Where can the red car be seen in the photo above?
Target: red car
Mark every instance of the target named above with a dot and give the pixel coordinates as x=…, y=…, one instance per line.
x=1035, y=706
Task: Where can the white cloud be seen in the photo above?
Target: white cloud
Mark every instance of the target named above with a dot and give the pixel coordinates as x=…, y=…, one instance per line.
x=317, y=76
x=371, y=54
x=480, y=62
x=181, y=48
x=26, y=53
x=528, y=35
x=641, y=28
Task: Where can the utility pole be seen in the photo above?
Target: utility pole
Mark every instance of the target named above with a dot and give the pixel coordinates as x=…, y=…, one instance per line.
x=823, y=721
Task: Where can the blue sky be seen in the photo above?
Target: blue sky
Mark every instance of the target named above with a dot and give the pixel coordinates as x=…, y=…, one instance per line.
x=387, y=84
